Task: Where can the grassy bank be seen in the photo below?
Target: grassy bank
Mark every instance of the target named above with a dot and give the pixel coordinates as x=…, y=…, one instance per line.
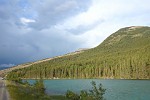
x=22, y=90
x=19, y=91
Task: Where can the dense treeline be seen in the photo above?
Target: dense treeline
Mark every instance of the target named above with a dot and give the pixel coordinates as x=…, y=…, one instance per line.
x=125, y=54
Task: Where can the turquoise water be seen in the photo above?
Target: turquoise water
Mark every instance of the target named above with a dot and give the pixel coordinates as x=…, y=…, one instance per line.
x=115, y=89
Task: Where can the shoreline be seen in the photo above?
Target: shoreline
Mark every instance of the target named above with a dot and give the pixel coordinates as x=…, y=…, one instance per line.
x=79, y=79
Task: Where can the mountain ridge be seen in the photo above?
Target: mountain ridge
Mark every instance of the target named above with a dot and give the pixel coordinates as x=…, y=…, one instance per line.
x=28, y=64
x=124, y=54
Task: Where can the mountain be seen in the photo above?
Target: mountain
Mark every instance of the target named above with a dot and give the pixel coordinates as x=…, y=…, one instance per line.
x=123, y=55
x=4, y=71
x=2, y=68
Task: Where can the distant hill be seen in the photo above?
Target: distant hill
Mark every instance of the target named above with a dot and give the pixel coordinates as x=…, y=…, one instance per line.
x=123, y=55
x=2, y=68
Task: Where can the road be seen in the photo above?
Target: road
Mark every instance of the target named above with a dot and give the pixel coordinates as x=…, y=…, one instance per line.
x=4, y=95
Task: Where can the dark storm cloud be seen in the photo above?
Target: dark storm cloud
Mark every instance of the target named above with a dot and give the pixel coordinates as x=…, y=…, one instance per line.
x=35, y=29
x=27, y=32
x=51, y=12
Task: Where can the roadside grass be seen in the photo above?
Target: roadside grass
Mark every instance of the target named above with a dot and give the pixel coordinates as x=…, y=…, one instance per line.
x=26, y=92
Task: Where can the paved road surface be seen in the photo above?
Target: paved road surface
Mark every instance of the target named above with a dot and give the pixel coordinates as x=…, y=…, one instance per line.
x=3, y=91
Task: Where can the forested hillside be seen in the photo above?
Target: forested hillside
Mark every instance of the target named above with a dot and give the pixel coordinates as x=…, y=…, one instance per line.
x=123, y=55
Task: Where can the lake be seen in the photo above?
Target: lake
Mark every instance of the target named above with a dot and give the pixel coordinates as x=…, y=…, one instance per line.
x=115, y=89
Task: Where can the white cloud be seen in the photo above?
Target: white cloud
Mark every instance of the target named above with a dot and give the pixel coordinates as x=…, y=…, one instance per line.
x=107, y=17
x=25, y=21
x=7, y=65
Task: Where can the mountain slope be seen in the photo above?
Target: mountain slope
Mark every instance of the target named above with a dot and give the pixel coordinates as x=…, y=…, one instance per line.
x=4, y=71
x=124, y=54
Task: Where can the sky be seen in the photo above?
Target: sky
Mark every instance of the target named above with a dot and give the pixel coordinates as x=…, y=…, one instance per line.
x=31, y=30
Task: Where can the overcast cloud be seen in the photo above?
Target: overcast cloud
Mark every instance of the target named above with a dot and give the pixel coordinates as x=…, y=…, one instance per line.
x=31, y=30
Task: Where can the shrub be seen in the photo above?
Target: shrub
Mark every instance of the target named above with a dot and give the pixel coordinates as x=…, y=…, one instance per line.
x=95, y=94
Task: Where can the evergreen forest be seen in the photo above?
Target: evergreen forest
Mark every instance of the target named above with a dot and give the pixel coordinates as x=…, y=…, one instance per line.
x=123, y=55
